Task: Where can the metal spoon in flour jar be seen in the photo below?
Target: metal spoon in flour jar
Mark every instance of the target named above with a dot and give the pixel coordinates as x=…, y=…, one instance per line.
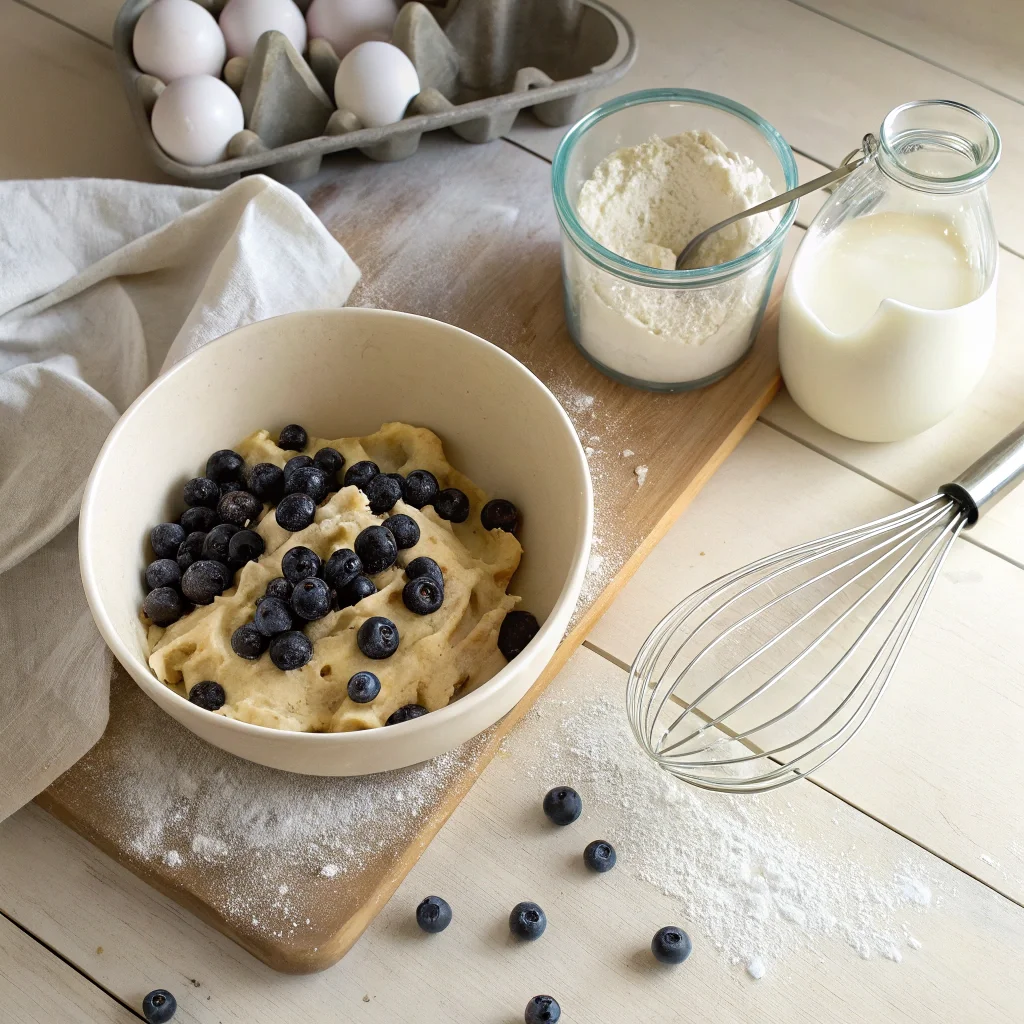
x=866, y=151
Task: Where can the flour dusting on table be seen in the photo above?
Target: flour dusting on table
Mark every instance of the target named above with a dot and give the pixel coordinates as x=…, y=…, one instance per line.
x=743, y=877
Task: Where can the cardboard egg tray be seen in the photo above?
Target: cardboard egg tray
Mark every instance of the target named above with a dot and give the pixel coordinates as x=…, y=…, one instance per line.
x=479, y=62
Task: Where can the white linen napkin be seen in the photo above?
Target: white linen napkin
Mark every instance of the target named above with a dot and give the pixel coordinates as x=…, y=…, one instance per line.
x=103, y=285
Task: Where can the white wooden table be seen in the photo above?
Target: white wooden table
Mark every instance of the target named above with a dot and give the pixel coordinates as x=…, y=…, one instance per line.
x=935, y=777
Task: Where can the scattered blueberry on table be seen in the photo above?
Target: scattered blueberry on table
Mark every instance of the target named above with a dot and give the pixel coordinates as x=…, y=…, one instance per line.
x=527, y=921
x=671, y=945
x=433, y=915
x=517, y=629
x=363, y=687
x=378, y=637
x=563, y=805
x=159, y=1006
x=542, y=1010
x=406, y=713
x=599, y=856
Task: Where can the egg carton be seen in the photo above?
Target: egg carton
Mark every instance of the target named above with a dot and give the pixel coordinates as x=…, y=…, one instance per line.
x=479, y=62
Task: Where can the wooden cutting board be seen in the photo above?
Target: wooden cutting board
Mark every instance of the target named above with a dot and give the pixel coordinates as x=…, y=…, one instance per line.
x=294, y=868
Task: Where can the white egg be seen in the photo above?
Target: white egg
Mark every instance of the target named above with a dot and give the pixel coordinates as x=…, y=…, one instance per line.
x=244, y=21
x=376, y=81
x=194, y=118
x=174, y=38
x=347, y=23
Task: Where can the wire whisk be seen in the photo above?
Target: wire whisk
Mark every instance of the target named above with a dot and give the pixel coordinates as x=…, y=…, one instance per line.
x=762, y=676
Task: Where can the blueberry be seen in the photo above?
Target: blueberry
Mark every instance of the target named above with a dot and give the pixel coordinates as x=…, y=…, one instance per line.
x=292, y=438
x=342, y=568
x=166, y=538
x=227, y=486
x=376, y=549
x=266, y=481
x=300, y=563
x=517, y=630
x=163, y=606
x=563, y=805
x=354, y=592
x=363, y=687
x=398, y=477
x=311, y=599
x=291, y=650
x=423, y=596
x=308, y=480
x=199, y=519
x=296, y=462
x=240, y=508
x=378, y=637
x=527, y=921
x=159, y=1006
x=217, y=544
x=272, y=616
x=225, y=465
x=201, y=490
x=434, y=914
x=164, y=572
x=204, y=580
x=248, y=642
x=452, y=504
x=599, y=856
x=404, y=529
x=331, y=461
x=499, y=514
x=424, y=566
x=420, y=488
x=542, y=1010
x=383, y=493
x=295, y=512
x=406, y=713
x=671, y=945
x=208, y=694
x=279, y=588
x=191, y=549
x=244, y=546
x=359, y=474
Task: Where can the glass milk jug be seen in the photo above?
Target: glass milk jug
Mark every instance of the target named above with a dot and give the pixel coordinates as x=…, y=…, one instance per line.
x=888, y=318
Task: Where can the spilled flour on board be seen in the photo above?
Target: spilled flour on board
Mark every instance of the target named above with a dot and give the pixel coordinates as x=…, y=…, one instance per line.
x=743, y=876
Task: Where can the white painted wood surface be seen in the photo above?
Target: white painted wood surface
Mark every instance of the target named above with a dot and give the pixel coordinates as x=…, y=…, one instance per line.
x=936, y=775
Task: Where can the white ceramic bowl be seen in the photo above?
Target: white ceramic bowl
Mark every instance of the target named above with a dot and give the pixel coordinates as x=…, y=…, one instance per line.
x=342, y=373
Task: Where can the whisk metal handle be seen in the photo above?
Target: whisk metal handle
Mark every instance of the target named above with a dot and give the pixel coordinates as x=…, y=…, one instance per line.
x=990, y=477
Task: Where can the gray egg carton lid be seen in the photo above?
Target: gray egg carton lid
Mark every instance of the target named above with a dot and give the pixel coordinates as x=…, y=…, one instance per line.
x=549, y=55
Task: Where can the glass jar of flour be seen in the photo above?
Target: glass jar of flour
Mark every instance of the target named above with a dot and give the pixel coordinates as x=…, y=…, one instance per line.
x=633, y=182
x=888, y=319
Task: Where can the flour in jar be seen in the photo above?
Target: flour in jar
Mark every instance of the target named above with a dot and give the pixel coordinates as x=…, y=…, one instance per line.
x=645, y=203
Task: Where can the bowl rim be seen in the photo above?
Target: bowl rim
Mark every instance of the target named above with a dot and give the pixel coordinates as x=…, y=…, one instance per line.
x=436, y=719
